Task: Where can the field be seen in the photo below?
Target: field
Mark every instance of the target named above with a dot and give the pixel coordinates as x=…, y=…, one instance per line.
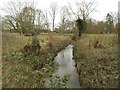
x=29, y=71
x=97, y=63
x=95, y=54
x=14, y=42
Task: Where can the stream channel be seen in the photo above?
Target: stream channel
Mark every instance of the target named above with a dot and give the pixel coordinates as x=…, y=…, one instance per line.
x=66, y=66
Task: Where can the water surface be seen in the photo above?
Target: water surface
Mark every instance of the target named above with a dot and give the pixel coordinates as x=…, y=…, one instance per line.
x=66, y=66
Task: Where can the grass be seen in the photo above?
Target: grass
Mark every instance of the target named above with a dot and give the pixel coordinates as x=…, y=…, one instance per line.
x=19, y=70
x=97, y=67
x=14, y=42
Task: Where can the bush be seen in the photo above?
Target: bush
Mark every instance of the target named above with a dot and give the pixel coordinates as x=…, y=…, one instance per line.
x=34, y=47
x=75, y=37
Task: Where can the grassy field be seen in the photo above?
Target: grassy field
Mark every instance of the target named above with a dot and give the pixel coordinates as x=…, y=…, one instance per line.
x=29, y=71
x=97, y=63
x=95, y=54
x=14, y=42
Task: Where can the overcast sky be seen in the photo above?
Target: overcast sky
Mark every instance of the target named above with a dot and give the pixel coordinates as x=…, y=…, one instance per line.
x=103, y=6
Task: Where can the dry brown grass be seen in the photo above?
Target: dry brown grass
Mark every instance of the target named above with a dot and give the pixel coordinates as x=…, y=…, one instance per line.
x=97, y=67
x=19, y=70
x=13, y=42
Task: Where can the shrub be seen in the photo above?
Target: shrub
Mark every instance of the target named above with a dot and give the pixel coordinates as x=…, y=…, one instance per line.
x=34, y=47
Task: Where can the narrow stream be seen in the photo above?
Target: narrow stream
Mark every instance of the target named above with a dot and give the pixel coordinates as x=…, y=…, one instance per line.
x=66, y=66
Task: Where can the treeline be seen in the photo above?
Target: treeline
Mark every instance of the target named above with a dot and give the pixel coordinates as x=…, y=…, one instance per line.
x=25, y=18
x=100, y=27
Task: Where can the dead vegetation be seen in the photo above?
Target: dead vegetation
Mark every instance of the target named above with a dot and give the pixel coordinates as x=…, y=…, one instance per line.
x=97, y=44
x=28, y=67
x=97, y=62
x=34, y=47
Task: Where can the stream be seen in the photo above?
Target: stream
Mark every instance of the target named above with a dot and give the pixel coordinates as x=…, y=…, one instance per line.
x=66, y=66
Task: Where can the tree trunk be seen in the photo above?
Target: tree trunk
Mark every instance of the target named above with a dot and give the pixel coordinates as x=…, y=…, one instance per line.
x=21, y=32
x=53, y=24
x=12, y=25
x=84, y=25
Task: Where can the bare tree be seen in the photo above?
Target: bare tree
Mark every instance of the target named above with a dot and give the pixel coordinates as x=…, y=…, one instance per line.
x=42, y=19
x=26, y=19
x=84, y=9
x=46, y=20
x=53, y=12
x=115, y=17
x=65, y=17
x=13, y=10
x=39, y=18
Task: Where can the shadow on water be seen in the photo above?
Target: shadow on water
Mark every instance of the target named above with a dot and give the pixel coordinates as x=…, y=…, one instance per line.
x=66, y=66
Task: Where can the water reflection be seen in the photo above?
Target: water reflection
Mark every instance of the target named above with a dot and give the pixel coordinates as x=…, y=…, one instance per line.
x=66, y=66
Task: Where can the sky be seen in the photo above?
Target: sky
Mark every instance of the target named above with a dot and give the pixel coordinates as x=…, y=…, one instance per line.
x=102, y=6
